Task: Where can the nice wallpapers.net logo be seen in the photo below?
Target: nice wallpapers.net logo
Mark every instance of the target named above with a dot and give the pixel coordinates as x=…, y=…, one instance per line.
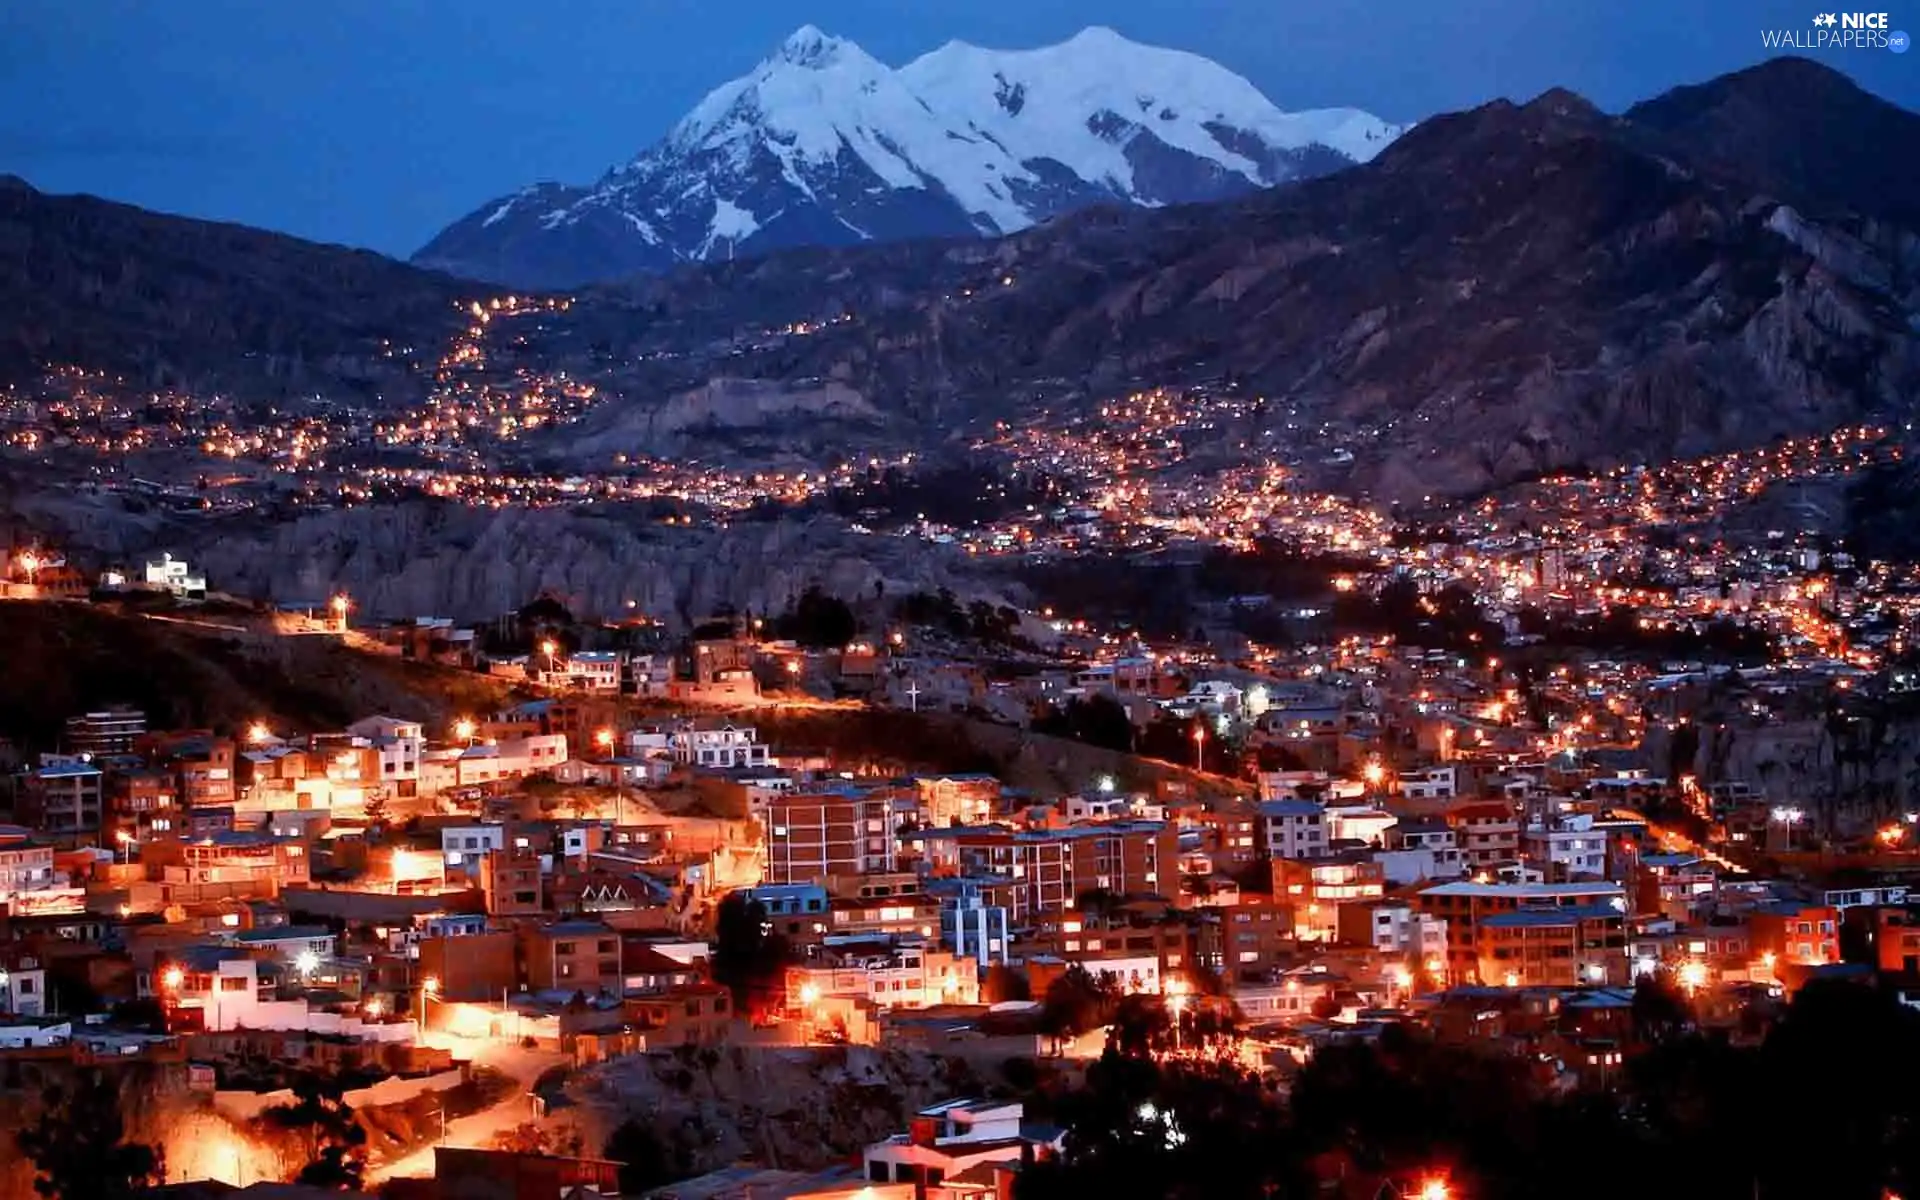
x=1836, y=31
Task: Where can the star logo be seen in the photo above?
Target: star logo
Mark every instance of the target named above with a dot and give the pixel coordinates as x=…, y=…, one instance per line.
x=1826, y=19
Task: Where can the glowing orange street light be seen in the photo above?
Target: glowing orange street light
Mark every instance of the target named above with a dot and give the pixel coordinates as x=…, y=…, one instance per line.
x=1199, y=743
x=173, y=978
x=1434, y=1188
x=259, y=734
x=1373, y=773
x=463, y=729
x=30, y=563
x=604, y=739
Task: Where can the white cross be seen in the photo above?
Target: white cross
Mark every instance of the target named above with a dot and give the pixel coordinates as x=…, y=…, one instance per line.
x=913, y=694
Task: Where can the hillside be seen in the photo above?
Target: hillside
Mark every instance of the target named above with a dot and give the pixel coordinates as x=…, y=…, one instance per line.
x=69, y=658
x=1511, y=290
x=171, y=302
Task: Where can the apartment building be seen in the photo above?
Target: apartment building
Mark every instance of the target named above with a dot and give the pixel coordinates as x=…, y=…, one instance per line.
x=818, y=835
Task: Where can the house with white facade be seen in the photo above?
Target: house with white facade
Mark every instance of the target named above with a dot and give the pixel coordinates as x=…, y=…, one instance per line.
x=173, y=576
x=1294, y=828
x=723, y=745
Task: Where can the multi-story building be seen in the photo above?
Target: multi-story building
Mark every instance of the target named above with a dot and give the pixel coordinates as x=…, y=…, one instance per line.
x=63, y=798
x=1556, y=946
x=231, y=864
x=140, y=803
x=717, y=745
x=397, y=747
x=1050, y=868
x=202, y=766
x=108, y=731
x=1465, y=905
x=1293, y=828
x=902, y=973
x=972, y=928
x=1488, y=832
x=1421, y=848
x=1317, y=889
x=1569, y=848
x=814, y=836
x=1795, y=933
x=981, y=1139
x=1430, y=783
x=957, y=799
x=462, y=845
x=1394, y=928
x=1257, y=934
x=595, y=670
x=26, y=864
x=573, y=956
x=23, y=981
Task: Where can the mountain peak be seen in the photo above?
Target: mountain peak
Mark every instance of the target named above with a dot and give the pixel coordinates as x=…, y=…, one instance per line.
x=822, y=144
x=808, y=46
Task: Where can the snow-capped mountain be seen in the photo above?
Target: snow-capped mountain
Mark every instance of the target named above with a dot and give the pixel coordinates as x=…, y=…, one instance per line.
x=822, y=144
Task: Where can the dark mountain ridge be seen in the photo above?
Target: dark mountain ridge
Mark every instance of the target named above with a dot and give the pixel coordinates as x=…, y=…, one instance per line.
x=173, y=302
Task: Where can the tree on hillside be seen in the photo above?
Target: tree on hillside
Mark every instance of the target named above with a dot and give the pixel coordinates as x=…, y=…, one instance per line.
x=336, y=1143
x=748, y=957
x=817, y=620
x=79, y=1148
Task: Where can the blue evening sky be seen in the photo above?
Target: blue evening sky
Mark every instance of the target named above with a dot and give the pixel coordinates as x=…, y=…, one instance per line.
x=376, y=122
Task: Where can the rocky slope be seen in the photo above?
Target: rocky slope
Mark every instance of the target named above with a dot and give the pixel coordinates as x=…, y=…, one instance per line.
x=822, y=144
x=1502, y=292
x=473, y=564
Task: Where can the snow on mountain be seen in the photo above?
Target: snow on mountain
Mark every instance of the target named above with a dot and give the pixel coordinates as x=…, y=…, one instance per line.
x=822, y=144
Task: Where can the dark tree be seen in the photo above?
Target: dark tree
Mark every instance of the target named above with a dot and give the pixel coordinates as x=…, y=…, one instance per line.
x=647, y=1160
x=1096, y=720
x=817, y=620
x=1076, y=1003
x=748, y=957
x=1661, y=1011
x=79, y=1148
x=336, y=1142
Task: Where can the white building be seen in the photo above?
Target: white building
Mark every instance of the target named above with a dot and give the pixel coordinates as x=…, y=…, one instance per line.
x=1398, y=930
x=1294, y=828
x=595, y=670
x=23, y=985
x=948, y=1139
x=464, y=844
x=173, y=576
x=728, y=745
x=1570, y=850
x=25, y=865
x=399, y=744
x=1430, y=783
x=1359, y=823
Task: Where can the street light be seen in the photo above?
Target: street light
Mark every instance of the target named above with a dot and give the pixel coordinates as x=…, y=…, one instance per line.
x=1176, y=991
x=259, y=734
x=172, y=978
x=1373, y=773
x=430, y=986
x=604, y=740
x=1434, y=1188
x=126, y=841
x=306, y=962
x=30, y=563
x=1199, y=742
x=463, y=730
